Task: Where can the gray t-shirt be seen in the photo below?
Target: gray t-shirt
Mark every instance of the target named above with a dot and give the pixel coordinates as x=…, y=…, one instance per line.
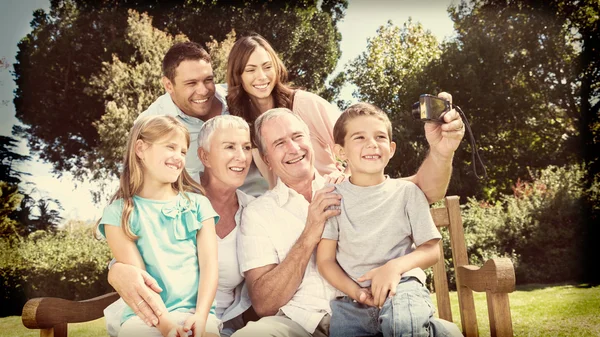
x=379, y=223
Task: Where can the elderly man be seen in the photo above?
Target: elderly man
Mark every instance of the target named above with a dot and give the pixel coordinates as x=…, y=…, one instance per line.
x=281, y=229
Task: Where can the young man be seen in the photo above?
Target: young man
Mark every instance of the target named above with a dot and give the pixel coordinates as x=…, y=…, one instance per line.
x=367, y=252
x=193, y=97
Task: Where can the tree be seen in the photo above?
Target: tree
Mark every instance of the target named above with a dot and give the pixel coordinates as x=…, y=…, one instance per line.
x=9, y=200
x=34, y=214
x=386, y=74
x=8, y=159
x=510, y=67
x=128, y=88
x=68, y=45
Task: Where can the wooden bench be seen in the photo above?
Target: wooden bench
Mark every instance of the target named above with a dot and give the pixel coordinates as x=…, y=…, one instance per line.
x=496, y=277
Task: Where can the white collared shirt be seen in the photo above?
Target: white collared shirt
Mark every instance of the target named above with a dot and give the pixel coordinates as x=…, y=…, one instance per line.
x=271, y=225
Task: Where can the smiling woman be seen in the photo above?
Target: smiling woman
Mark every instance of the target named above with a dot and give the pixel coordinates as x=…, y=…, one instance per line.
x=257, y=82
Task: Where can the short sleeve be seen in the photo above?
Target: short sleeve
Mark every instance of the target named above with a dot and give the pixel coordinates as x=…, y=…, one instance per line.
x=254, y=246
x=111, y=216
x=421, y=223
x=332, y=229
x=204, y=209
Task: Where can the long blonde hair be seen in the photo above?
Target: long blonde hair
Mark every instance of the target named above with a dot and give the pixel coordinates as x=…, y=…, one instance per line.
x=149, y=129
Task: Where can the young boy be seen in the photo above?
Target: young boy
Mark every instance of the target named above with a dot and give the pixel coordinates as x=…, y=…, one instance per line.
x=368, y=252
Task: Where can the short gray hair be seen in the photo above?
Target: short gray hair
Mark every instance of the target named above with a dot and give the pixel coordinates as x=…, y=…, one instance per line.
x=267, y=116
x=219, y=122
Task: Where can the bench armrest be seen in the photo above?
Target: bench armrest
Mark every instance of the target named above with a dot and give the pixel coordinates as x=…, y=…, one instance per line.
x=47, y=312
x=496, y=276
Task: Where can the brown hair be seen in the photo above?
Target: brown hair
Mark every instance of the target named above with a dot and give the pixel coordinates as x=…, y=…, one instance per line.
x=238, y=100
x=179, y=52
x=149, y=129
x=356, y=110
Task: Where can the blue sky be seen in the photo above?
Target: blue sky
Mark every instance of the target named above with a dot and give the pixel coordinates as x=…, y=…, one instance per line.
x=361, y=21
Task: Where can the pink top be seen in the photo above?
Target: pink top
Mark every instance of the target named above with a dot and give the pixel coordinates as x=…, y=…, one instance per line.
x=320, y=116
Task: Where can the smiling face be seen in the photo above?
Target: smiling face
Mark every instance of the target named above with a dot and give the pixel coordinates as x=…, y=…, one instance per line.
x=288, y=150
x=193, y=89
x=367, y=146
x=259, y=75
x=162, y=161
x=229, y=156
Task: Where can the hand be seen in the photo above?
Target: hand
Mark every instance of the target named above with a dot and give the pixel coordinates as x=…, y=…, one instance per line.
x=384, y=280
x=319, y=210
x=364, y=296
x=196, y=324
x=444, y=138
x=335, y=177
x=139, y=290
x=175, y=331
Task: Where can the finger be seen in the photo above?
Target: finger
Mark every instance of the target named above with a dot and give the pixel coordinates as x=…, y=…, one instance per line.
x=375, y=290
x=151, y=282
x=324, y=190
x=331, y=212
x=187, y=325
x=135, y=303
x=146, y=311
x=153, y=308
x=445, y=96
x=365, y=277
x=451, y=116
x=382, y=296
x=329, y=179
x=453, y=126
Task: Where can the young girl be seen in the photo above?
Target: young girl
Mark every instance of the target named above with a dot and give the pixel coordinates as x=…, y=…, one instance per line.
x=156, y=223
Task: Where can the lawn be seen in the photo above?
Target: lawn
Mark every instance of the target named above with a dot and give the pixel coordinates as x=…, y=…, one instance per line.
x=537, y=310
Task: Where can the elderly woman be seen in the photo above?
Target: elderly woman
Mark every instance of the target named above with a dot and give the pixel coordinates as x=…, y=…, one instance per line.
x=225, y=150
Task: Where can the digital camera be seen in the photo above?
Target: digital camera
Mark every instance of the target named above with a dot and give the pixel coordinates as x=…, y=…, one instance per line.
x=430, y=108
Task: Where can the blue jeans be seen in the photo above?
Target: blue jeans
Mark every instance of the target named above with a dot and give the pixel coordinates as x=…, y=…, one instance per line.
x=408, y=313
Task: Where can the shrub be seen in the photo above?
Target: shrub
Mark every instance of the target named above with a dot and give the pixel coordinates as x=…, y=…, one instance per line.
x=67, y=264
x=540, y=226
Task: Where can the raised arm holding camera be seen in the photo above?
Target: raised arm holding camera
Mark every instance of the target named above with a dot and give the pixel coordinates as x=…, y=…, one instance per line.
x=434, y=174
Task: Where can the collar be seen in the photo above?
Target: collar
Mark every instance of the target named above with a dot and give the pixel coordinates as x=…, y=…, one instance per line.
x=283, y=192
x=243, y=198
x=220, y=95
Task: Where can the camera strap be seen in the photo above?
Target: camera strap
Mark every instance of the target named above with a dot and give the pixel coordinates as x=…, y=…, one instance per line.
x=474, y=150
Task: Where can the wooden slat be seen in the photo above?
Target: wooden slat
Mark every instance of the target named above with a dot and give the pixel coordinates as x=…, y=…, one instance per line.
x=440, y=282
x=466, y=302
x=440, y=216
x=59, y=330
x=499, y=313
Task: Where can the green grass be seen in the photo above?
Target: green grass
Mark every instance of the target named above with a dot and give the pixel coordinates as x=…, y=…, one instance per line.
x=544, y=310
x=537, y=310
x=13, y=327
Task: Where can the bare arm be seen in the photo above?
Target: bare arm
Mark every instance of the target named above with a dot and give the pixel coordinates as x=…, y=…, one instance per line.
x=336, y=276
x=272, y=286
x=209, y=277
x=125, y=251
x=384, y=279
x=434, y=174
